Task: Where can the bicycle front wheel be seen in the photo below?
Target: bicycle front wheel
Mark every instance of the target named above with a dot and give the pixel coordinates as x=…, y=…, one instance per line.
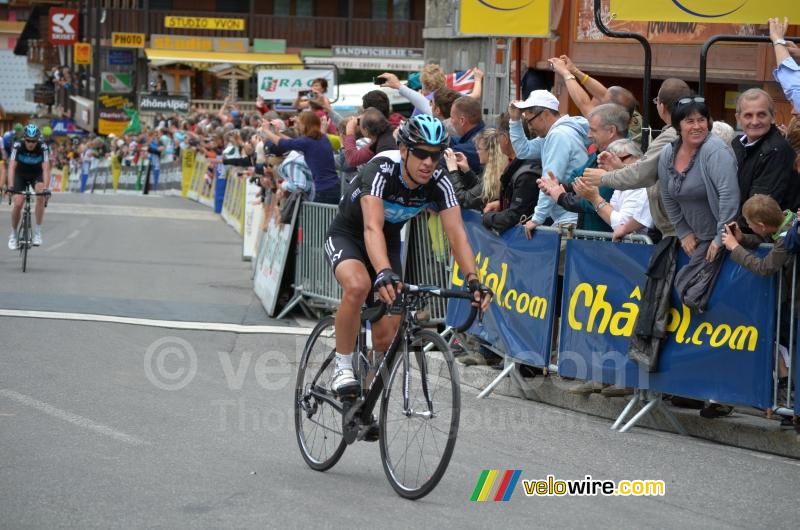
x=24, y=240
x=417, y=442
x=317, y=424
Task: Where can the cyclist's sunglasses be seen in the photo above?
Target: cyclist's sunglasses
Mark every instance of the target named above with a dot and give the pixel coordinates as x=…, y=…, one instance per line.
x=696, y=99
x=422, y=154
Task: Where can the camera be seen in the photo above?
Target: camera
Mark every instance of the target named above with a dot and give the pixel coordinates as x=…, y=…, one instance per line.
x=379, y=80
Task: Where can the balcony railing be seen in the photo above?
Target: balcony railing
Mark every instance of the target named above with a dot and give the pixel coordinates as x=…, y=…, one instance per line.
x=299, y=32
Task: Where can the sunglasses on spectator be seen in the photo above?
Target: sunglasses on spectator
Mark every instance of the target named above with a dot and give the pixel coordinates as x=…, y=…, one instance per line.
x=422, y=154
x=696, y=99
x=529, y=120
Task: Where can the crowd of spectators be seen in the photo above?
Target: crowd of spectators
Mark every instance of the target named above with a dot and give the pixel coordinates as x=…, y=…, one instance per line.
x=698, y=185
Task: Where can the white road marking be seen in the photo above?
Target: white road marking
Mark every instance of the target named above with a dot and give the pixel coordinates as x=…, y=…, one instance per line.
x=133, y=211
x=74, y=419
x=171, y=324
x=51, y=248
x=74, y=234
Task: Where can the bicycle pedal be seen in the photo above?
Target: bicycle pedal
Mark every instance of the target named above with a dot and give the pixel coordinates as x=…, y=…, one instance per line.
x=369, y=433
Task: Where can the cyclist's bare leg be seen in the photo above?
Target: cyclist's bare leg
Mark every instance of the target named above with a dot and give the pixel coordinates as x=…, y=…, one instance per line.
x=39, y=204
x=352, y=275
x=16, y=210
x=383, y=331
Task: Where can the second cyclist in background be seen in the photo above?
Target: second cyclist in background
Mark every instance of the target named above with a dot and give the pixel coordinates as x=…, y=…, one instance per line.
x=28, y=164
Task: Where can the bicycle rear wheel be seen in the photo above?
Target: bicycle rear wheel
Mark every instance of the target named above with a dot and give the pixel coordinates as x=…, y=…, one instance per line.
x=416, y=445
x=317, y=424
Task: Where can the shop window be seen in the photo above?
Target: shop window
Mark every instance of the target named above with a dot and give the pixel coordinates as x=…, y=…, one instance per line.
x=401, y=10
x=304, y=8
x=282, y=8
x=233, y=6
x=380, y=9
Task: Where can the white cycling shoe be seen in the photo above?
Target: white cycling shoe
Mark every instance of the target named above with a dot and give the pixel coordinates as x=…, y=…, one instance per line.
x=12, y=242
x=37, y=238
x=344, y=382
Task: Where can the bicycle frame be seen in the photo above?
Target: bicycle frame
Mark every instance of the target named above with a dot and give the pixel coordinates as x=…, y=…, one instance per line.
x=366, y=405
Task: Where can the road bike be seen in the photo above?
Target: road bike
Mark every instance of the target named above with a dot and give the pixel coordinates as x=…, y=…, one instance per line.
x=25, y=229
x=416, y=381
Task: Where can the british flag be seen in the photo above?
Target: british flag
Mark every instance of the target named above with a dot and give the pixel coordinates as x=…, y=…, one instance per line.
x=461, y=81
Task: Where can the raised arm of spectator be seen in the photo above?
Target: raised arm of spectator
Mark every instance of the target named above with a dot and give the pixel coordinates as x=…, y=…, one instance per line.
x=523, y=148
x=477, y=89
x=261, y=105
x=354, y=156
x=574, y=88
x=223, y=110
x=416, y=99
x=595, y=88
x=787, y=72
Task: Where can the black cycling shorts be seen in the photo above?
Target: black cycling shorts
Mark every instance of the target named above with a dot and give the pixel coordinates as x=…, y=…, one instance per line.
x=340, y=247
x=22, y=181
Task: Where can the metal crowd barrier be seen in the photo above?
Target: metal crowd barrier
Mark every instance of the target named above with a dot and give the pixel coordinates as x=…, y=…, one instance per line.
x=314, y=284
x=428, y=260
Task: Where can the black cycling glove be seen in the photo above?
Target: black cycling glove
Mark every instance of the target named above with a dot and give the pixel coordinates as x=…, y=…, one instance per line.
x=386, y=278
x=475, y=285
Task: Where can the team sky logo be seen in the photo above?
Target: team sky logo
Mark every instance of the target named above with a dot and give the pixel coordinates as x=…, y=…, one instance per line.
x=700, y=8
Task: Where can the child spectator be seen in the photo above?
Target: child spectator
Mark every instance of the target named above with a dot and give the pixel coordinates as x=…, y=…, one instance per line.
x=768, y=223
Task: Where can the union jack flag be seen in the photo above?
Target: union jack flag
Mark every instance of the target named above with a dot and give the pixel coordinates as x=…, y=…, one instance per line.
x=461, y=81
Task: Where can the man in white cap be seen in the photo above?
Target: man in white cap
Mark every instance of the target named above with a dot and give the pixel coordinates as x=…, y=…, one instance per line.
x=561, y=142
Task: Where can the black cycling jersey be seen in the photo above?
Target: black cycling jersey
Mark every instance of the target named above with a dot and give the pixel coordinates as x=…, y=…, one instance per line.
x=29, y=163
x=382, y=177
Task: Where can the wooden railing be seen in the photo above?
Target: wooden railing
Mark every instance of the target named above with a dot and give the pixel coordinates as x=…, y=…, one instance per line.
x=299, y=32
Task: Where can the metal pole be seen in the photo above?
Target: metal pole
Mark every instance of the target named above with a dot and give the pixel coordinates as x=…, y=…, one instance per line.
x=701, y=89
x=96, y=63
x=648, y=63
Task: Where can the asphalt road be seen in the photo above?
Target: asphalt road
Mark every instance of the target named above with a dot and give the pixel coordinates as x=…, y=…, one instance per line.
x=90, y=436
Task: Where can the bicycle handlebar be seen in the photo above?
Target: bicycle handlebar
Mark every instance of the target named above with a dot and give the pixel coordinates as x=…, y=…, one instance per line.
x=373, y=314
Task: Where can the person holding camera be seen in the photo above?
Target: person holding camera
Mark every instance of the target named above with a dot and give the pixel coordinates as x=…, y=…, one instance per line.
x=319, y=87
x=372, y=125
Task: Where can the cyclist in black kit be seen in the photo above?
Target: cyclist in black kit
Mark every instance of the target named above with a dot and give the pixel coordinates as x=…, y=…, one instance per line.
x=28, y=164
x=363, y=241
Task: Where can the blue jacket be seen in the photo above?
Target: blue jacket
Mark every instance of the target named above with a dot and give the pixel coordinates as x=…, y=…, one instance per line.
x=562, y=151
x=466, y=145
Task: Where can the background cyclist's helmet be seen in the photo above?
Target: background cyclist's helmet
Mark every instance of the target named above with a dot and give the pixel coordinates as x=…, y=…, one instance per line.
x=424, y=129
x=18, y=128
x=47, y=131
x=31, y=132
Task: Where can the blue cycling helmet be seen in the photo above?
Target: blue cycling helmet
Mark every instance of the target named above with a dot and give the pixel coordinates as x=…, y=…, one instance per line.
x=31, y=132
x=424, y=129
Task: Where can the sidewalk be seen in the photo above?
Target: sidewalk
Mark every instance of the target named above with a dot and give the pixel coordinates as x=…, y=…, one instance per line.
x=739, y=430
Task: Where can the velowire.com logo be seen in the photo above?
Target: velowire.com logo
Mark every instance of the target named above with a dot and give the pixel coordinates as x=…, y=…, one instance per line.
x=496, y=485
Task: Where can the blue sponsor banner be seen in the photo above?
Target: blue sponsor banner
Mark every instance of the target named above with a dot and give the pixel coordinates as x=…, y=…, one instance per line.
x=522, y=275
x=120, y=57
x=724, y=354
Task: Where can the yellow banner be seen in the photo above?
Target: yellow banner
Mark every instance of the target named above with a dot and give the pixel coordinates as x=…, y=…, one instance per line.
x=107, y=127
x=82, y=53
x=505, y=18
x=232, y=24
x=127, y=40
x=707, y=11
